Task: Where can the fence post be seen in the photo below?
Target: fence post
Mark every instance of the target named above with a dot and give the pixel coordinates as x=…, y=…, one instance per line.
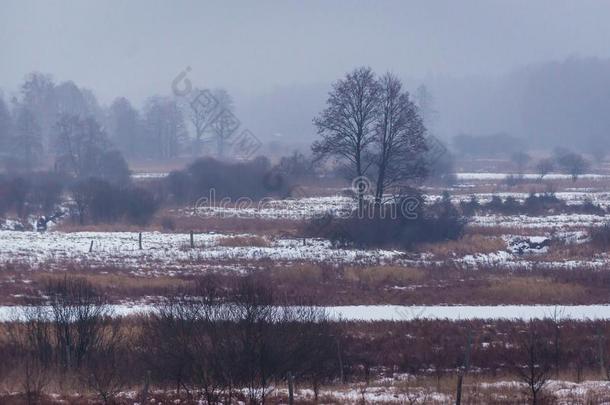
x=140, y=240
x=340, y=358
x=192, y=240
x=91, y=246
x=144, y=398
x=290, y=389
x=464, y=370
x=600, y=352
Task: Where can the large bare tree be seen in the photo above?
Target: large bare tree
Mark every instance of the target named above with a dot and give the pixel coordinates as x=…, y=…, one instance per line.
x=225, y=123
x=347, y=123
x=27, y=143
x=200, y=111
x=398, y=144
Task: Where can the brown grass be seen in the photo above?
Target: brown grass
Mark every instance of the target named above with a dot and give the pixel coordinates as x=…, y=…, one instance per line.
x=300, y=274
x=382, y=275
x=467, y=245
x=120, y=285
x=244, y=241
x=532, y=290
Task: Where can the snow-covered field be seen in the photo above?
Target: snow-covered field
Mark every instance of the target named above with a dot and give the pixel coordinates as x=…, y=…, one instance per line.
x=527, y=176
x=149, y=175
x=550, y=221
x=309, y=207
x=299, y=208
x=167, y=250
x=169, y=253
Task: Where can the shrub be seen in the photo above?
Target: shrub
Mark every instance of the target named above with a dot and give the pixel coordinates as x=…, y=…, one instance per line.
x=600, y=236
x=99, y=201
x=253, y=179
x=391, y=225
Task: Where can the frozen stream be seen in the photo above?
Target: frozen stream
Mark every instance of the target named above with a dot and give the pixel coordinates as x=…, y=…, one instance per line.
x=405, y=313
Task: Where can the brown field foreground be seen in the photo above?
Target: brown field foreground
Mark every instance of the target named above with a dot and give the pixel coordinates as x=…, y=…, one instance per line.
x=148, y=360
x=211, y=345
x=326, y=284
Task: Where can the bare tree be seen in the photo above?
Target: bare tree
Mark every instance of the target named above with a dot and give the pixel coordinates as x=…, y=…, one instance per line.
x=83, y=150
x=201, y=110
x=532, y=363
x=27, y=144
x=347, y=123
x=105, y=369
x=124, y=126
x=78, y=313
x=225, y=123
x=6, y=128
x=79, y=144
x=399, y=144
x=573, y=164
x=38, y=96
x=544, y=167
x=164, y=127
x=425, y=102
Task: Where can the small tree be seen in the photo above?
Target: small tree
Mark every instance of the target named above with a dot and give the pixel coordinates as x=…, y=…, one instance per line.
x=544, y=167
x=225, y=124
x=573, y=164
x=6, y=128
x=532, y=362
x=27, y=144
x=78, y=313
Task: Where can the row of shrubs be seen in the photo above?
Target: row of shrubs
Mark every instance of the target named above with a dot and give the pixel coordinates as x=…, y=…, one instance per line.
x=400, y=223
x=222, y=347
x=93, y=200
x=216, y=346
x=100, y=200
x=253, y=179
x=534, y=204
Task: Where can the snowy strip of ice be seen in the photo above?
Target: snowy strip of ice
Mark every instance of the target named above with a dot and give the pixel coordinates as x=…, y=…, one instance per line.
x=528, y=176
x=372, y=313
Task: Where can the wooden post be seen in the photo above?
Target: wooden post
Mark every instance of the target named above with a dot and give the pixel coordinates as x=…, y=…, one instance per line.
x=144, y=398
x=304, y=241
x=600, y=350
x=464, y=370
x=140, y=240
x=192, y=240
x=340, y=358
x=91, y=246
x=290, y=389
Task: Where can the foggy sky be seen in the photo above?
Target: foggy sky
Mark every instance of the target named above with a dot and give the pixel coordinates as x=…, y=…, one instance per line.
x=278, y=58
x=135, y=48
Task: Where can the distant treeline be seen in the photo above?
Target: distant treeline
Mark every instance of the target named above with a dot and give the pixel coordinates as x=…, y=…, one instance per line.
x=31, y=123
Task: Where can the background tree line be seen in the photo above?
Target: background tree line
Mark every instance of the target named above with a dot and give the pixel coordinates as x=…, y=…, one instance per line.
x=42, y=110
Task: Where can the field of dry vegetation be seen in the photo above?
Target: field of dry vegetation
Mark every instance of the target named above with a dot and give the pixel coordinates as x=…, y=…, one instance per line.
x=236, y=302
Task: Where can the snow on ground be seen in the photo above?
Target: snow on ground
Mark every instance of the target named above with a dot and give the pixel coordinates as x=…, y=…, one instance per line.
x=309, y=207
x=301, y=208
x=149, y=175
x=168, y=253
x=527, y=176
x=373, y=313
x=167, y=250
x=527, y=221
